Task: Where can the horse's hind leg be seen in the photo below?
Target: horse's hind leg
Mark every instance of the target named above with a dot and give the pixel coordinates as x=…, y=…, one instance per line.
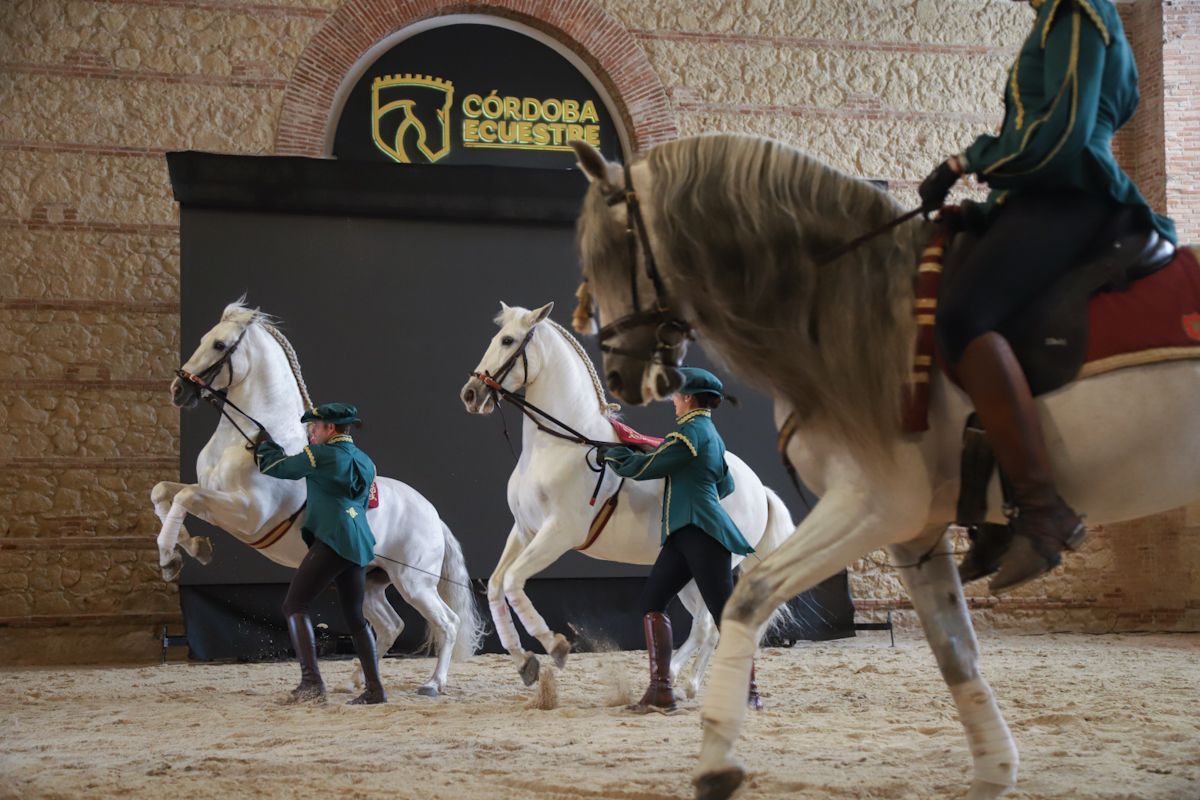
x=384, y=620
x=700, y=642
x=936, y=594
x=421, y=592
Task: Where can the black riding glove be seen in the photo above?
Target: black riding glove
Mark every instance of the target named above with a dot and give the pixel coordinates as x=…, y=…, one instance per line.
x=936, y=186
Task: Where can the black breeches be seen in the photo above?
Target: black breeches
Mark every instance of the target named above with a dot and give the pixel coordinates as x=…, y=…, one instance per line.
x=689, y=553
x=321, y=567
x=1030, y=242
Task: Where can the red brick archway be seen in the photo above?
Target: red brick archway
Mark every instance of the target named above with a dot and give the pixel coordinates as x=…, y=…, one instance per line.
x=597, y=38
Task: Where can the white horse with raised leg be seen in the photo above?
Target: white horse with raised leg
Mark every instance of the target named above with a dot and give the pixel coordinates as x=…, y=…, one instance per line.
x=736, y=227
x=550, y=488
x=245, y=355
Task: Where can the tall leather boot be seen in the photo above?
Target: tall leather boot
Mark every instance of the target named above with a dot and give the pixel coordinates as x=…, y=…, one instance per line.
x=304, y=642
x=754, y=701
x=659, y=695
x=364, y=645
x=1042, y=524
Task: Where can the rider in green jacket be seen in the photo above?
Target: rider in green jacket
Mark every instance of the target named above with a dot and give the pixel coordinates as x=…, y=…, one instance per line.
x=698, y=535
x=339, y=478
x=1055, y=191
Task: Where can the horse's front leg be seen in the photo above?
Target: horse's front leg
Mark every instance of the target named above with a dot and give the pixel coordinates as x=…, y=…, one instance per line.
x=172, y=504
x=198, y=547
x=931, y=579
x=527, y=663
x=546, y=547
x=855, y=516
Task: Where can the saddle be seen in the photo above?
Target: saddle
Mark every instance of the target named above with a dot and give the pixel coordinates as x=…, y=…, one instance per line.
x=1051, y=337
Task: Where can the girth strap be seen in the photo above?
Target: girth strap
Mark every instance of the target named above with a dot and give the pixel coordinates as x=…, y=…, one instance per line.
x=275, y=534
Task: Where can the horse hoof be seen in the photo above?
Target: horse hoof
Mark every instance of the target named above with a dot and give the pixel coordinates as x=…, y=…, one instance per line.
x=171, y=569
x=560, y=651
x=428, y=690
x=719, y=785
x=982, y=790
x=204, y=549
x=529, y=670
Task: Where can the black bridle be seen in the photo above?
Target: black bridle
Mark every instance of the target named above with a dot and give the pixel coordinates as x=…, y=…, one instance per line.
x=671, y=332
x=537, y=415
x=219, y=398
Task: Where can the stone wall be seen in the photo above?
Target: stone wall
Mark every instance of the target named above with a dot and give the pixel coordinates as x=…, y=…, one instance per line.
x=93, y=93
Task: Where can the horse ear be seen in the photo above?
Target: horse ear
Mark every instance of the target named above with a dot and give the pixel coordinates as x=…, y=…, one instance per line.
x=594, y=166
x=539, y=314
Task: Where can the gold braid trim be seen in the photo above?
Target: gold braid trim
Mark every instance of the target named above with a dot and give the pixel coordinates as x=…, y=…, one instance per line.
x=684, y=439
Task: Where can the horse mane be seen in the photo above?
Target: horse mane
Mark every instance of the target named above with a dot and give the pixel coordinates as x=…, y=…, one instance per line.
x=741, y=222
x=242, y=314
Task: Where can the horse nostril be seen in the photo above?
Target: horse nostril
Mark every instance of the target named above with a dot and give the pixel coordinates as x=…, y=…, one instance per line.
x=615, y=384
x=469, y=395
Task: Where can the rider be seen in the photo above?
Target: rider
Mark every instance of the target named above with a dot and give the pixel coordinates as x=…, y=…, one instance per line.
x=697, y=534
x=340, y=542
x=1055, y=188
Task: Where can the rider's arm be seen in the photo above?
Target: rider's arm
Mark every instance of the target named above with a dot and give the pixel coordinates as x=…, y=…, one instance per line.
x=273, y=461
x=1055, y=134
x=672, y=455
x=725, y=485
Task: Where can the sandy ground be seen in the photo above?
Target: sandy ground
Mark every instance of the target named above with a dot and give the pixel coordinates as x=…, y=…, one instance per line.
x=1095, y=717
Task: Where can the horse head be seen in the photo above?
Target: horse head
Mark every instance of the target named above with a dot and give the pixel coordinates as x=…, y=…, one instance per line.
x=508, y=361
x=220, y=361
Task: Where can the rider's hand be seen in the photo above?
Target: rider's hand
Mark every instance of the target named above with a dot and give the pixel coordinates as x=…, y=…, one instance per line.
x=262, y=436
x=937, y=185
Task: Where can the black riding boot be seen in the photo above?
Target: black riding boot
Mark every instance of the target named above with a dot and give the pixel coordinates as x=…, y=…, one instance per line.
x=364, y=645
x=304, y=642
x=1042, y=524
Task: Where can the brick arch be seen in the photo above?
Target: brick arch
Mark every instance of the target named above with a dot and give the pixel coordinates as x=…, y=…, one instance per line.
x=594, y=35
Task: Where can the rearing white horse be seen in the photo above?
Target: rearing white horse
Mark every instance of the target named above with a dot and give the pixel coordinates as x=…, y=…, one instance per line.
x=246, y=355
x=549, y=490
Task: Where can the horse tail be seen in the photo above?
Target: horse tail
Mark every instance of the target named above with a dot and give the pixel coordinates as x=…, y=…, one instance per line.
x=779, y=528
x=455, y=589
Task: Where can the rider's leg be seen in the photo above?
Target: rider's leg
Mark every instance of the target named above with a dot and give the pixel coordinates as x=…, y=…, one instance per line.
x=318, y=569
x=351, y=586
x=711, y=565
x=667, y=577
x=1028, y=245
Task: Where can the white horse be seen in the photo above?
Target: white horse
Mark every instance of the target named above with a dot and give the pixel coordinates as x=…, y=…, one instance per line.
x=736, y=225
x=248, y=356
x=549, y=490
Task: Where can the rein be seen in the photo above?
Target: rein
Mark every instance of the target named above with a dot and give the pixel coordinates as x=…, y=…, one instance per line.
x=219, y=398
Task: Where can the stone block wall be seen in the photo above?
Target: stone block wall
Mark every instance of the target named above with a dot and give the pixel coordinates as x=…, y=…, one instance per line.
x=94, y=92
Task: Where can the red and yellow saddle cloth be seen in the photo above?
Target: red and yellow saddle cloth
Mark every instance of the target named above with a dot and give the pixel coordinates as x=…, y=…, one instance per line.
x=1156, y=319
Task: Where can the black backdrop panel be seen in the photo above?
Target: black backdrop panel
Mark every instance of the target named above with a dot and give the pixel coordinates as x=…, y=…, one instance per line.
x=392, y=315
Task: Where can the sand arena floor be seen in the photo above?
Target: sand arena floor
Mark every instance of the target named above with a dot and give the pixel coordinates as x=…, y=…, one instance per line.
x=1095, y=717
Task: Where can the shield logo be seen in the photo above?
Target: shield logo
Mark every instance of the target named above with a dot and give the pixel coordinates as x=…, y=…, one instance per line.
x=410, y=117
x=1191, y=325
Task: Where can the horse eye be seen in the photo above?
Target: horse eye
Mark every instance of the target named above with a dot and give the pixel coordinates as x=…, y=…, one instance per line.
x=218, y=345
x=507, y=341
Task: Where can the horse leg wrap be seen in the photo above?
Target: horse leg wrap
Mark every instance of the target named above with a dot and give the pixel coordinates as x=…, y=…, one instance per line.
x=729, y=678
x=992, y=747
x=504, y=626
x=534, y=624
x=168, y=536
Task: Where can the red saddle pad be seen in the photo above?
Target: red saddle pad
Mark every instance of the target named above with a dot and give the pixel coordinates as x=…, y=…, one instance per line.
x=629, y=436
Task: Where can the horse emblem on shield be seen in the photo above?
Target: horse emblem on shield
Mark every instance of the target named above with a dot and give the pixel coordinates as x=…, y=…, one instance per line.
x=410, y=117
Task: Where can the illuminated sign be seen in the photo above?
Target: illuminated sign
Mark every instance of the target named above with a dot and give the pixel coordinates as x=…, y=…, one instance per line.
x=472, y=94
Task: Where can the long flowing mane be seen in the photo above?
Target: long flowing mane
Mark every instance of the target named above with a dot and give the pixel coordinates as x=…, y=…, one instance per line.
x=739, y=223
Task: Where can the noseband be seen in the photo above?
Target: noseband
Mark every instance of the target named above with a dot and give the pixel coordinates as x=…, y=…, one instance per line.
x=670, y=332
x=219, y=398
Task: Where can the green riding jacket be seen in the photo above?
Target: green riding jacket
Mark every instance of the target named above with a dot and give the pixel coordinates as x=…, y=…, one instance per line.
x=692, y=460
x=1073, y=84
x=339, y=478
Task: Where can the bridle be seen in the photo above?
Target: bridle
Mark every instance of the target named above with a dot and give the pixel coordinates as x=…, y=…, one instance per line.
x=671, y=332
x=219, y=398
x=494, y=383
